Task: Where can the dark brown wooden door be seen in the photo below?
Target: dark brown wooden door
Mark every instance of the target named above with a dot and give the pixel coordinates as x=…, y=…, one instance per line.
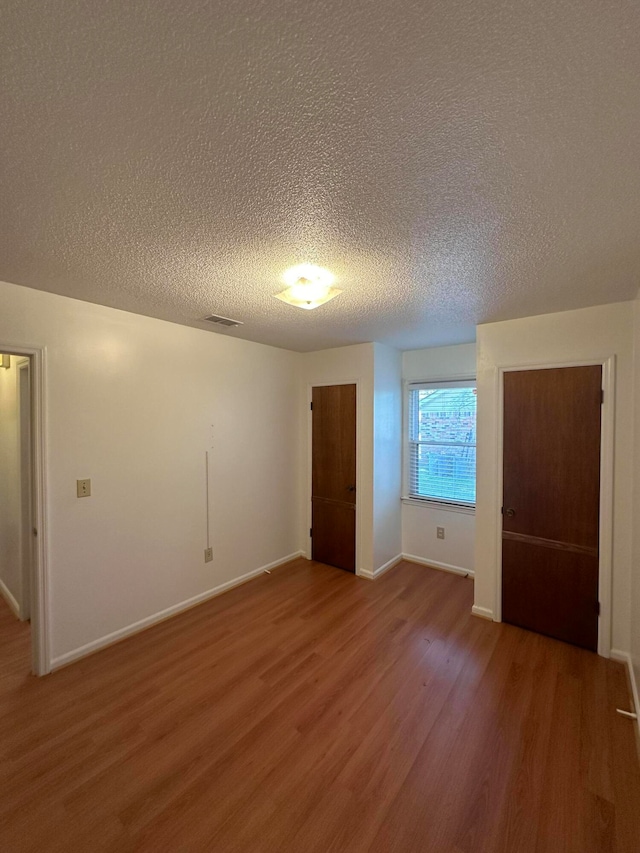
x=333, y=487
x=551, y=501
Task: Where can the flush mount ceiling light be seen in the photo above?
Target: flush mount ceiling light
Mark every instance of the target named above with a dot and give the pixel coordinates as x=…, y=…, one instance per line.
x=309, y=286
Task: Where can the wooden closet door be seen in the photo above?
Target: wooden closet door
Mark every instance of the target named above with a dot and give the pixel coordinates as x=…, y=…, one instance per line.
x=551, y=502
x=333, y=489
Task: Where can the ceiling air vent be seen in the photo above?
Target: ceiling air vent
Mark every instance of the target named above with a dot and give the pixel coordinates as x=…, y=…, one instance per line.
x=223, y=321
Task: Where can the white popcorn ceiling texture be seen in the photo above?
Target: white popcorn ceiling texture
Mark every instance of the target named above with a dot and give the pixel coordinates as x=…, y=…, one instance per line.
x=451, y=161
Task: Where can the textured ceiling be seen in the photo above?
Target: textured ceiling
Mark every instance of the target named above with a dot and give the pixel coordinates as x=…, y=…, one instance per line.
x=451, y=161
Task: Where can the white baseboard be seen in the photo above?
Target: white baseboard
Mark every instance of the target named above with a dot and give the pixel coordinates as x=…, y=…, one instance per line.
x=142, y=624
x=482, y=612
x=8, y=596
x=434, y=564
x=364, y=573
x=625, y=657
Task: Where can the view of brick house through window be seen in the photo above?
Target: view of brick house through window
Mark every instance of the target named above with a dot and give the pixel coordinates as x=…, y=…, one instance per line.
x=442, y=441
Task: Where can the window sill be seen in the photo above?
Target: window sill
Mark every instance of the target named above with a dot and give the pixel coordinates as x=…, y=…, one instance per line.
x=440, y=505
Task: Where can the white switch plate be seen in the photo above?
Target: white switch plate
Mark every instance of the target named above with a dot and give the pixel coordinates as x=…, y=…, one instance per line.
x=208, y=555
x=440, y=532
x=84, y=488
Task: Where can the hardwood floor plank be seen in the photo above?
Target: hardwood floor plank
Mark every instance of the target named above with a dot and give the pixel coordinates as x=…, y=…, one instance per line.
x=625, y=774
x=513, y=830
x=309, y=710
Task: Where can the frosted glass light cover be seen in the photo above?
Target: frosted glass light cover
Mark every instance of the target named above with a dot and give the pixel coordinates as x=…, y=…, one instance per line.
x=309, y=286
x=296, y=296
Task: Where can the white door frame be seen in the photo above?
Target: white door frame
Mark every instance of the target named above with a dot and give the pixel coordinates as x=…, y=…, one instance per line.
x=310, y=387
x=607, y=422
x=26, y=486
x=40, y=623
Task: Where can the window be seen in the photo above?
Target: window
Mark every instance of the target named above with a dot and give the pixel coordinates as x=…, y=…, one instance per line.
x=442, y=441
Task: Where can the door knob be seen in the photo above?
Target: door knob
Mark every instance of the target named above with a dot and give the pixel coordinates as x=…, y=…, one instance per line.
x=509, y=512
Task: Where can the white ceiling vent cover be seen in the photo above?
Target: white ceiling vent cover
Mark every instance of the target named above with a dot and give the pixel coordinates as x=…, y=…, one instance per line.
x=223, y=321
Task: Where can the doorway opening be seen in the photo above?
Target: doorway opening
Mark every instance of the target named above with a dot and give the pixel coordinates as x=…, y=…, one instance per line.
x=21, y=490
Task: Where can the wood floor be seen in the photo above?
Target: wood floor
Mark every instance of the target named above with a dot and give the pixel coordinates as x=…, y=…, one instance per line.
x=311, y=710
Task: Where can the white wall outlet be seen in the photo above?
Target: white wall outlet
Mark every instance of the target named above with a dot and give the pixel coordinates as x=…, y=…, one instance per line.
x=208, y=555
x=83, y=488
x=440, y=532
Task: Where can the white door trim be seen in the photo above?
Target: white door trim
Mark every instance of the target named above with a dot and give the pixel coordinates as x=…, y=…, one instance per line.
x=40, y=621
x=26, y=488
x=310, y=387
x=607, y=423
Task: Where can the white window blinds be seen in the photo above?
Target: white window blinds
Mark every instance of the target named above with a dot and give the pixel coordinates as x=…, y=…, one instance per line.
x=442, y=441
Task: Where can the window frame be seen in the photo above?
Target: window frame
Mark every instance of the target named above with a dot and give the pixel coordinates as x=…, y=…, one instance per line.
x=463, y=381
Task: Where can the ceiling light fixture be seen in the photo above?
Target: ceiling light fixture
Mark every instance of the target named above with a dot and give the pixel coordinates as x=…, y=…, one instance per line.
x=309, y=286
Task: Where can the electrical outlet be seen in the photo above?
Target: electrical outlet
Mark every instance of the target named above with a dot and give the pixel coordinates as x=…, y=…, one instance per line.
x=83, y=488
x=440, y=532
x=208, y=555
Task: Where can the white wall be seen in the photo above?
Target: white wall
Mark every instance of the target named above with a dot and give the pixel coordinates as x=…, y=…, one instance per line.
x=457, y=362
x=333, y=367
x=10, y=504
x=587, y=334
x=419, y=521
x=387, y=455
x=134, y=403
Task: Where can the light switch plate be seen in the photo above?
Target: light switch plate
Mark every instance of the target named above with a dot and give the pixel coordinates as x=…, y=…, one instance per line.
x=84, y=488
x=440, y=532
x=208, y=555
